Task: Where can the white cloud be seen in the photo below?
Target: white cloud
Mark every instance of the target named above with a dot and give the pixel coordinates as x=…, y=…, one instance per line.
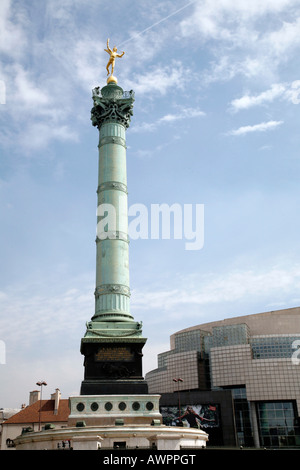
x=283, y=39
x=60, y=10
x=41, y=82
x=289, y=92
x=38, y=109
x=27, y=93
x=234, y=34
x=222, y=69
x=83, y=66
x=43, y=97
x=293, y=93
x=12, y=30
x=37, y=116
x=54, y=314
x=248, y=101
x=39, y=135
x=39, y=315
x=232, y=21
x=262, y=127
x=153, y=151
x=228, y=287
x=184, y=113
x=160, y=79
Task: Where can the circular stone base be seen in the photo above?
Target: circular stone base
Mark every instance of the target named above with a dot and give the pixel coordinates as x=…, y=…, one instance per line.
x=157, y=437
x=114, y=421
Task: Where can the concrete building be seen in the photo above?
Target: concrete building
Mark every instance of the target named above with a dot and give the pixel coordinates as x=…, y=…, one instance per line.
x=254, y=356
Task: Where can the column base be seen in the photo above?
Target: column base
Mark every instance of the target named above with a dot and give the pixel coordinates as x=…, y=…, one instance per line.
x=113, y=366
x=114, y=387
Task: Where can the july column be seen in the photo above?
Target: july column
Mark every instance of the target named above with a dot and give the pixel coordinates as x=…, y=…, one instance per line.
x=111, y=114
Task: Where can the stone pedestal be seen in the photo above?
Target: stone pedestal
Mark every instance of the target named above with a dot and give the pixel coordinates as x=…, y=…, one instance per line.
x=113, y=368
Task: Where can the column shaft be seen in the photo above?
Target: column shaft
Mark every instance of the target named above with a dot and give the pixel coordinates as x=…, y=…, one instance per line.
x=112, y=262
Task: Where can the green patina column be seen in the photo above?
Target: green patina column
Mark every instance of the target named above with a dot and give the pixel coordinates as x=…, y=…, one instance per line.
x=113, y=341
x=111, y=114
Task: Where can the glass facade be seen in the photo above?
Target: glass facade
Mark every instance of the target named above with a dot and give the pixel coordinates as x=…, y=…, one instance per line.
x=228, y=335
x=190, y=341
x=244, y=432
x=163, y=357
x=278, y=425
x=186, y=341
x=243, y=424
x=271, y=346
x=258, y=359
x=277, y=421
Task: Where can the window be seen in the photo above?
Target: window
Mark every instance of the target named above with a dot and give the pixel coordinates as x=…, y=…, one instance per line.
x=120, y=445
x=277, y=424
x=268, y=347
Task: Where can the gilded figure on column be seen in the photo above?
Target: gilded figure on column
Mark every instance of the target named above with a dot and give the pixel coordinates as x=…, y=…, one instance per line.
x=113, y=54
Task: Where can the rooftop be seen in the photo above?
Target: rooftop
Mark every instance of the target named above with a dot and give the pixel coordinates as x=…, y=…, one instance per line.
x=31, y=413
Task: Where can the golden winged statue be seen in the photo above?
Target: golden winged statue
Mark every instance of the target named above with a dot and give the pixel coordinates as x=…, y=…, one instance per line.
x=113, y=54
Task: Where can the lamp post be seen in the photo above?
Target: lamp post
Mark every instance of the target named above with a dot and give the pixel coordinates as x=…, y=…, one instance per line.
x=40, y=384
x=177, y=381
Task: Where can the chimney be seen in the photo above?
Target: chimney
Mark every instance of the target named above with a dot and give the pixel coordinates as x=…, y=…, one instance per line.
x=34, y=396
x=56, y=397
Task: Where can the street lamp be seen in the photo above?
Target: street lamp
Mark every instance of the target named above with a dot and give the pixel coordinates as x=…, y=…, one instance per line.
x=177, y=381
x=40, y=384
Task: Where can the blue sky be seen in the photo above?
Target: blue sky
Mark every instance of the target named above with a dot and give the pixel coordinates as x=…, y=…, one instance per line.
x=216, y=122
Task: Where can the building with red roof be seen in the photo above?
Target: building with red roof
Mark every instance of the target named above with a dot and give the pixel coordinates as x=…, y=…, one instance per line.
x=35, y=416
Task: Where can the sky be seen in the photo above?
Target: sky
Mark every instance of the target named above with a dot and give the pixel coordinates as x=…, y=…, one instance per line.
x=215, y=125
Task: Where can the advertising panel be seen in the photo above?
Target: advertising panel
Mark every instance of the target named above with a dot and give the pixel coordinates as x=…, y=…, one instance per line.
x=195, y=416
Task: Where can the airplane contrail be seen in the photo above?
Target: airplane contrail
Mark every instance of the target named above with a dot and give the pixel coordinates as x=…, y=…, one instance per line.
x=157, y=22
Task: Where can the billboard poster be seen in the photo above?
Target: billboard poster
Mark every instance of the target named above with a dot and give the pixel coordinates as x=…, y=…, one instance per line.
x=194, y=416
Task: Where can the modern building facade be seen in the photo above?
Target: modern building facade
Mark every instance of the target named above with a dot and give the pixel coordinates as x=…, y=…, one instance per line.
x=254, y=356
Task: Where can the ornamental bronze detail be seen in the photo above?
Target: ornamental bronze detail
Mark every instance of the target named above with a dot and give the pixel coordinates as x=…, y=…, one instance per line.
x=112, y=140
x=118, y=109
x=112, y=185
x=112, y=289
x=113, y=235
